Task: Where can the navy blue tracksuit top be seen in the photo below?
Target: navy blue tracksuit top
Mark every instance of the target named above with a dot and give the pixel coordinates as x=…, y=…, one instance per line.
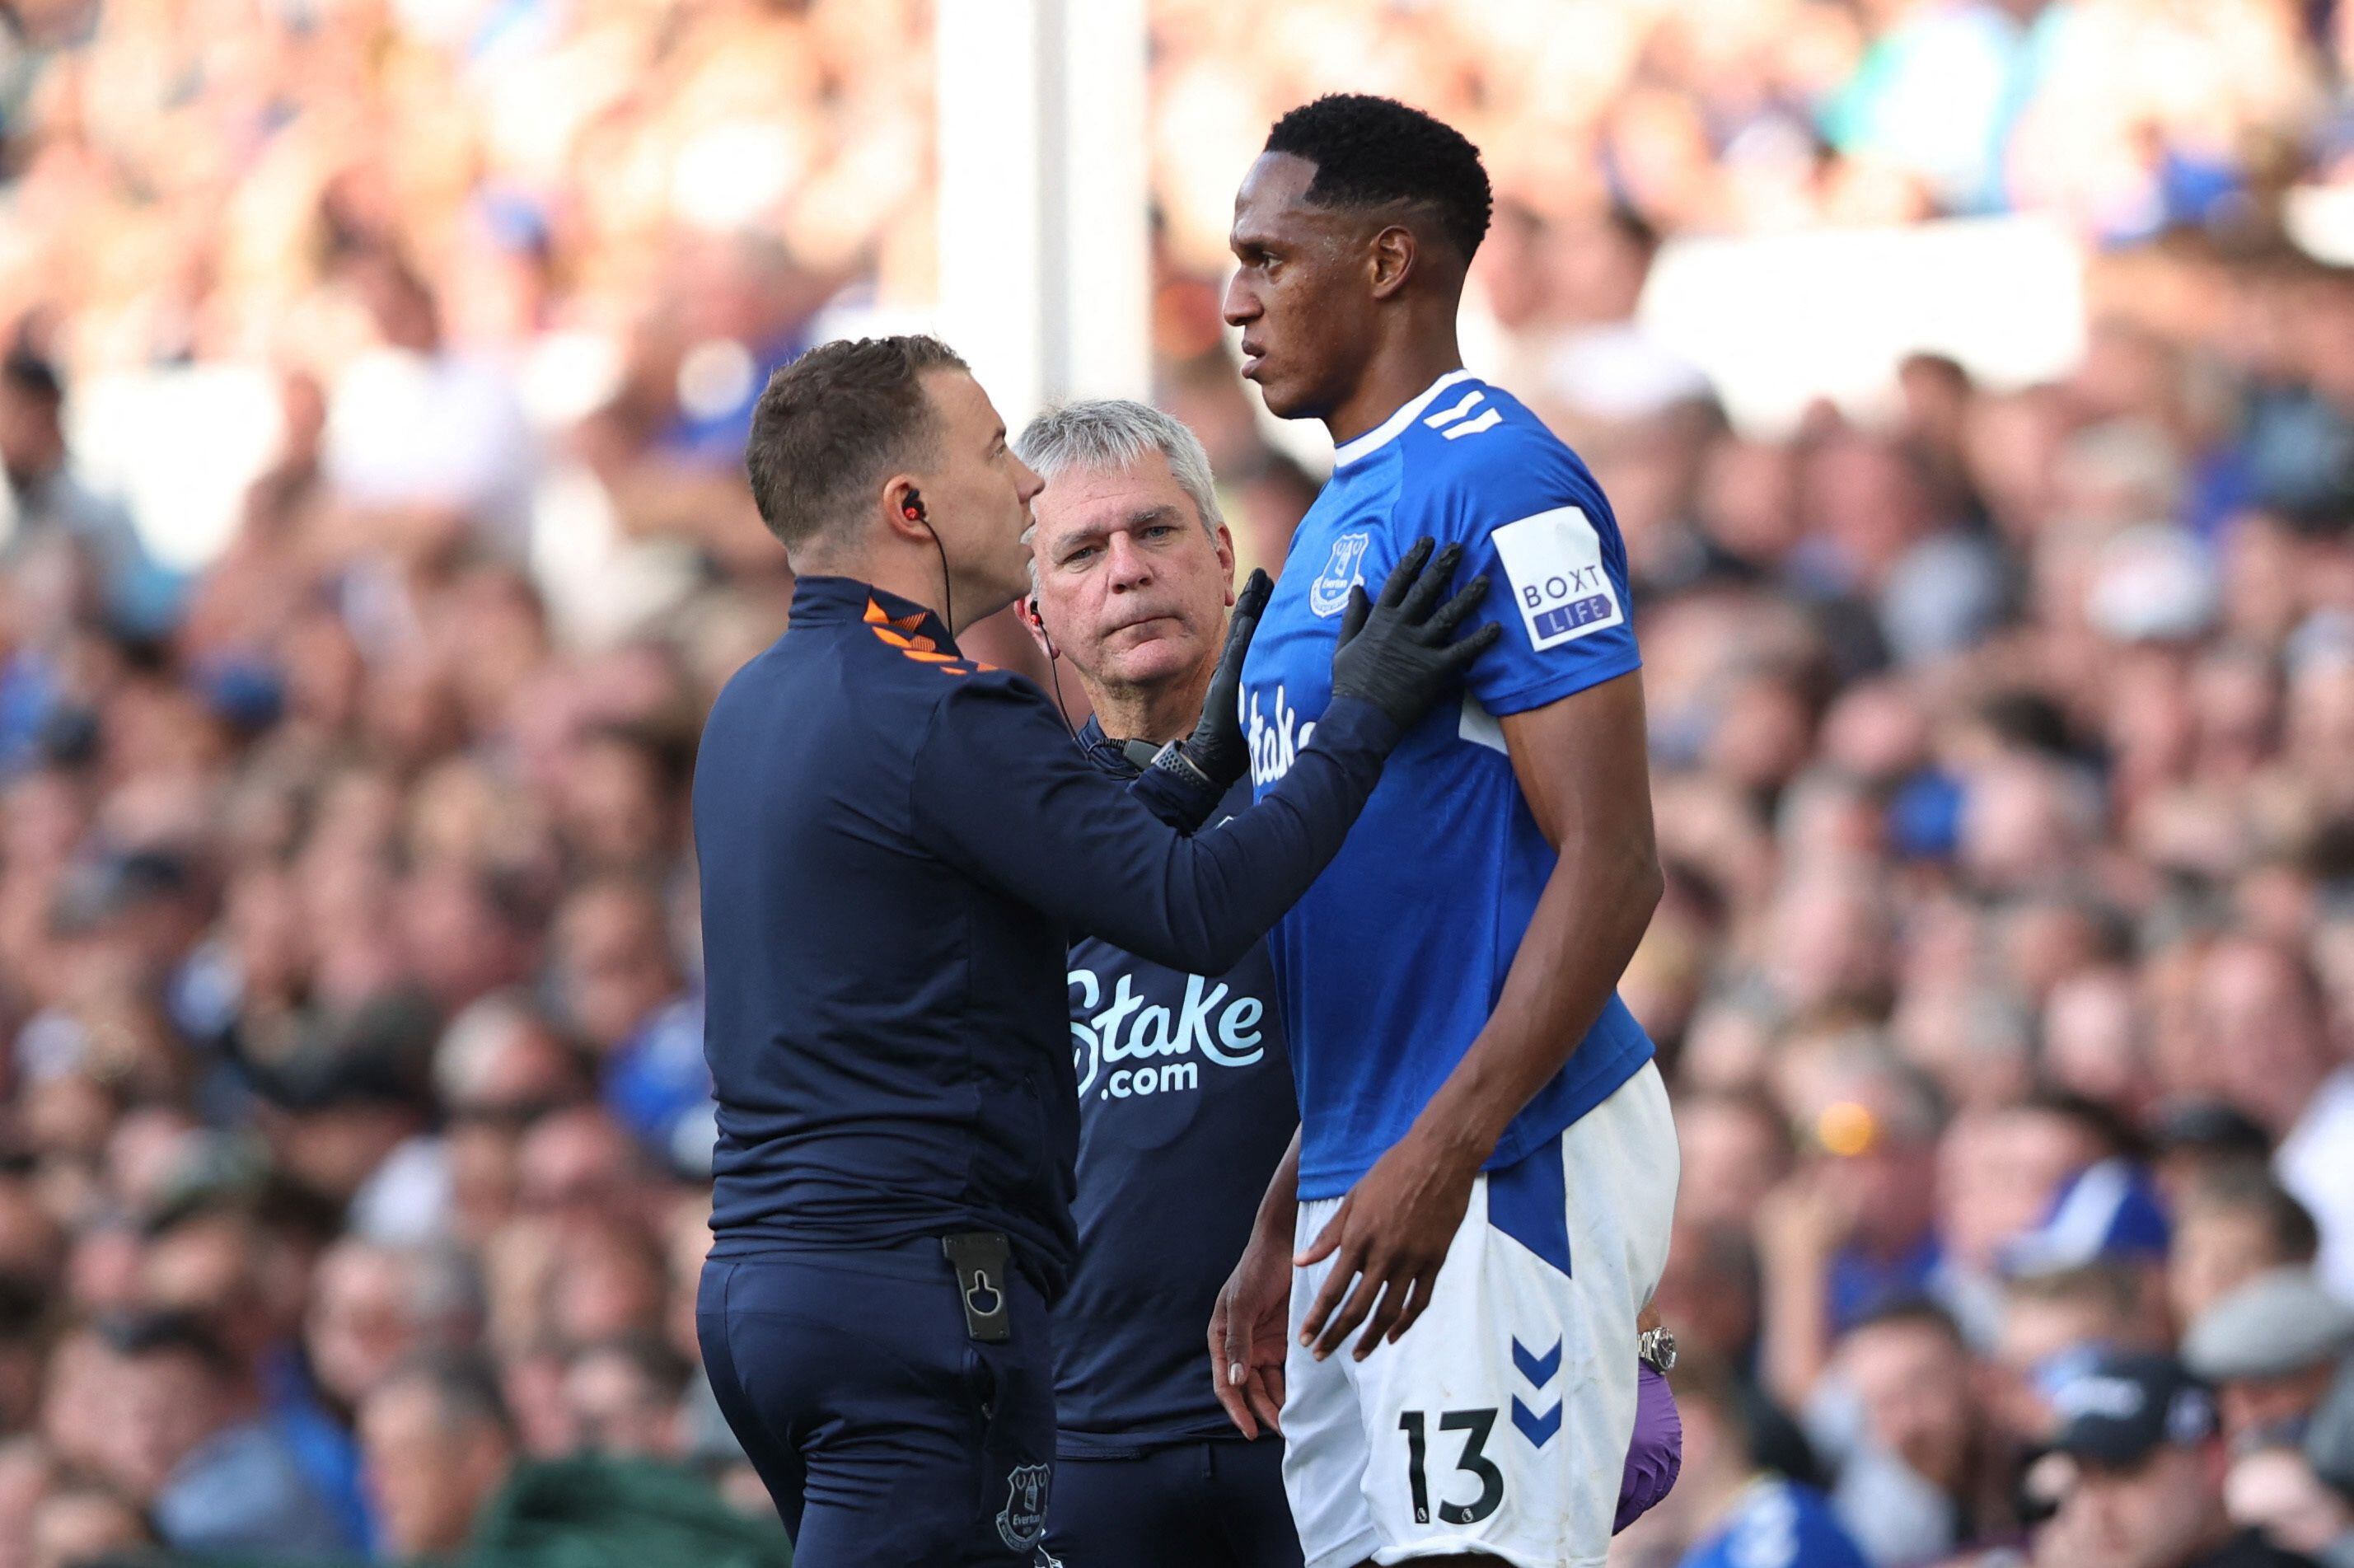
x=896, y=846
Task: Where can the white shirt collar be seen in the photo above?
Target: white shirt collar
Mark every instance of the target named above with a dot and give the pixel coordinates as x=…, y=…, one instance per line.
x=1380, y=435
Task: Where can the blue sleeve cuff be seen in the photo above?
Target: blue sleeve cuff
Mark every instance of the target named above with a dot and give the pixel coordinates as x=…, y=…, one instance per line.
x=1355, y=724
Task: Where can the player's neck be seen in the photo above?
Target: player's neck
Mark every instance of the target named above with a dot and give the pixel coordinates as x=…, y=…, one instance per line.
x=1157, y=713
x=1392, y=380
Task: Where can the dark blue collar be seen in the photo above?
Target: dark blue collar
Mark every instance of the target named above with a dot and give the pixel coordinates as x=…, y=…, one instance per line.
x=1123, y=758
x=826, y=601
x=1105, y=752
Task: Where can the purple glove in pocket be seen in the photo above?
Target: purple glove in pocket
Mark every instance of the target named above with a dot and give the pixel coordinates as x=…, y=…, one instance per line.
x=1656, y=1455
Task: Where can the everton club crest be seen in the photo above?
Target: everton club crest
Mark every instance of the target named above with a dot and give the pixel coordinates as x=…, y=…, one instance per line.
x=1329, y=591
x=1022, y=1520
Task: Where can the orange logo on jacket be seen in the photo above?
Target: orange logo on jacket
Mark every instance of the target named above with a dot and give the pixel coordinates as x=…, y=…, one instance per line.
x=900, y=633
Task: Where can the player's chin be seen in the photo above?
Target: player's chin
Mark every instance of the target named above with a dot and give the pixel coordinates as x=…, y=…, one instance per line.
x=1263, y=372
x=1284, y=399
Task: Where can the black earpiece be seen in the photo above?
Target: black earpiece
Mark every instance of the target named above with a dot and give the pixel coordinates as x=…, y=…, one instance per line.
x=1054, y=658
x=911, y=507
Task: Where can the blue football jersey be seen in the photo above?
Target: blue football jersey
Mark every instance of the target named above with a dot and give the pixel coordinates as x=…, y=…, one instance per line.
x=1390, y=966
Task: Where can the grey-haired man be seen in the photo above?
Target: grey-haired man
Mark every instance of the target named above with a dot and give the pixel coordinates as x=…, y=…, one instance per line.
x=1185, y=1094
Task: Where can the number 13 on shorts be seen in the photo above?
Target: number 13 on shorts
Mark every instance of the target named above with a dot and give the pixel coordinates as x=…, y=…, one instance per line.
x=1475, y=1425
x=1499, y=1424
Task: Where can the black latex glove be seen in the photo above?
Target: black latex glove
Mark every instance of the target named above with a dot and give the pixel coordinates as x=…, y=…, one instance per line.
x=1216, y=746
x=1398, y=652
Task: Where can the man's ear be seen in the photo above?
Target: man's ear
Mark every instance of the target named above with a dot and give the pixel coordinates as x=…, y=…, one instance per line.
x=1225, y=539
x=1027, y=609
x=1391, y=257
x=900, y=500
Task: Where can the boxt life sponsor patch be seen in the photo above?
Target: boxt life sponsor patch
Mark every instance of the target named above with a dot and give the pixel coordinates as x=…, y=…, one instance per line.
x=1552, y=565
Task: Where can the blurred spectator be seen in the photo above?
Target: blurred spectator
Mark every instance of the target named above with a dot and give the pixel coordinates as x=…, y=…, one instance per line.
x=2271, y=1349
x=580, y=1172
x=2233, y=1225
x=2149, y=1474
x=625, y=1395
x=1711, y=1293
x=2203, y=1140
x=501, y=1065
x=428, y=447
x=1885, y=535
x=180, y=1438
x=374, y=1307
x=2273, y=1489
x=623, y=990
x=1922, y=1471
x=1737, y=1511
x=2269, y=1023
x=1854, y=1229
x=2107, y=1211
x=1735, y=1150
x=2053, y=1324
x=65, y=540
x=438, y=1443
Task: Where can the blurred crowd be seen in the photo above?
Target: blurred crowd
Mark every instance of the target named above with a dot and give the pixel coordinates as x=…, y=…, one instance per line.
x=2007, y=965
x=353, y=1119
x=2120, y=117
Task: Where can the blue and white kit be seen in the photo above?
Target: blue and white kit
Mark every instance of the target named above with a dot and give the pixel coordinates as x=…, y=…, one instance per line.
x=1499, y=1422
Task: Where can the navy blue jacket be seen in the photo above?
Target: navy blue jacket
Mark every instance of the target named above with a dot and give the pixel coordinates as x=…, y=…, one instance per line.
x=1185, y=1108
x=896, y=846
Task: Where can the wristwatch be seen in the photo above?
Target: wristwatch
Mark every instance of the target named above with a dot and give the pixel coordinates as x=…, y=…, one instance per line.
x=1657, y=1349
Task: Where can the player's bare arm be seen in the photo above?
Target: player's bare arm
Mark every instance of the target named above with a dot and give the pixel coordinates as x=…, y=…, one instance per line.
x=1247, y=1342
x=1582, y=768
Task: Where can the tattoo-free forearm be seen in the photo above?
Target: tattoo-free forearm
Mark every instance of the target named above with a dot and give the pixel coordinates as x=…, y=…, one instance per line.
x=1279, y=1209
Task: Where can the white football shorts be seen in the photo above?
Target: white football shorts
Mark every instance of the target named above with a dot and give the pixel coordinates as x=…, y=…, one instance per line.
x=1501, y=1422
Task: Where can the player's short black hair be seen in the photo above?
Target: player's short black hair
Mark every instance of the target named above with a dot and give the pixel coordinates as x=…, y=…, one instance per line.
x=1377, y=152
x=834, y=423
